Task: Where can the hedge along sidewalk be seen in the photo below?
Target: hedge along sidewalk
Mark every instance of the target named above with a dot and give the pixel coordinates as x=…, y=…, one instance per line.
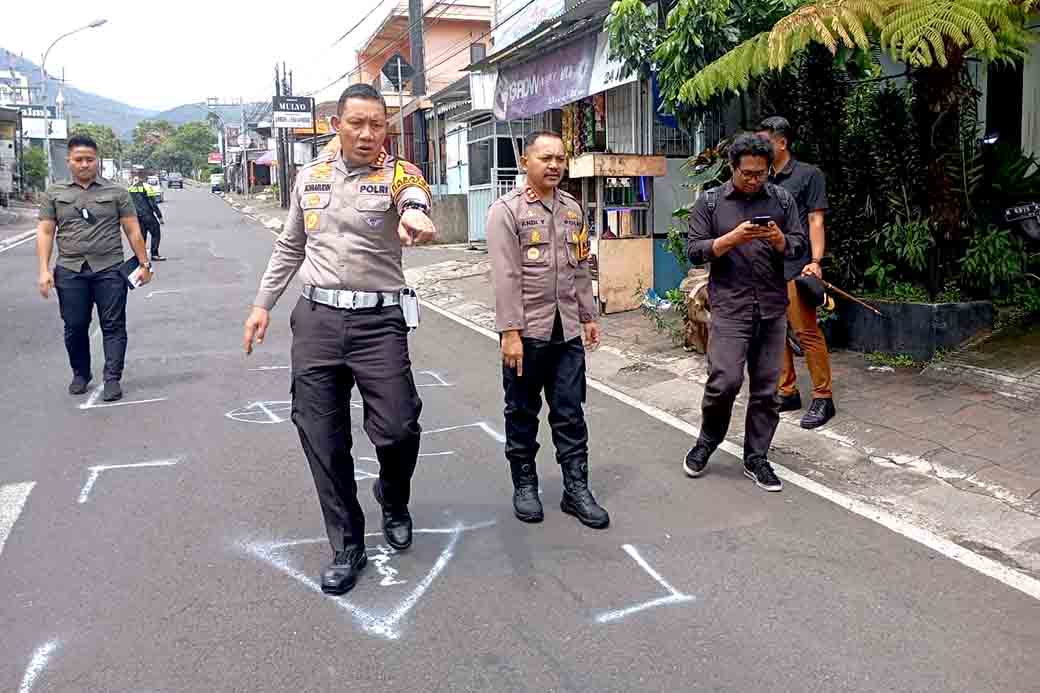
x=955, y=459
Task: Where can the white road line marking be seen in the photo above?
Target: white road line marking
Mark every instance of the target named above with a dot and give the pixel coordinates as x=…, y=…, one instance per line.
x=271, y=368
x=421, y=454
x=987, y=566
x=163, y=292
x=36, y=664
x=95, y=394
x=441, y=382
x=96, y=470
x=18, y=240
x=12, y=502
x=674, y=595
x=270, y=414
x=385, y=626
x=482, y=425
x=462, y=527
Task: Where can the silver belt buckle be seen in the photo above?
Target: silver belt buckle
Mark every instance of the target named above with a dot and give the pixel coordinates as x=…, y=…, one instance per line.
x=345, y=299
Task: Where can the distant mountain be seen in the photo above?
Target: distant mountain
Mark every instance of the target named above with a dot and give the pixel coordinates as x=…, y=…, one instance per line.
x=232, y=115
x=84, y=106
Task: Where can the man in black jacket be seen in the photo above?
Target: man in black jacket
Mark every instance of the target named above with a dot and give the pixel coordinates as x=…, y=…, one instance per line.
x=745, y=229
x=148, y=213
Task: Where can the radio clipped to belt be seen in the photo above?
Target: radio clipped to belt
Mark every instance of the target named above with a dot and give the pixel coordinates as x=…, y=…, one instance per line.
x=410, y=307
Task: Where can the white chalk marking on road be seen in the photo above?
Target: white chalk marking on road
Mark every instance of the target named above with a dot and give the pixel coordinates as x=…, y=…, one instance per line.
x=381, y=557
x=271, y=368
x=12, y=502
x=96, y=470
x=36, y=664
x=270, y=414
x=674, y=595
x=482, y=425
x=462, y=527
x=982, y=564
x=95, y=394
x=385, y=626
x=266, y=412
x=421, y=454
x=163, y=292
x=96, y=332
x=441, y=382
x=18, y=240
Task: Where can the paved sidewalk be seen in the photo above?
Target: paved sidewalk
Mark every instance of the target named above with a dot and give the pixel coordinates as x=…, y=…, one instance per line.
x=960, y=461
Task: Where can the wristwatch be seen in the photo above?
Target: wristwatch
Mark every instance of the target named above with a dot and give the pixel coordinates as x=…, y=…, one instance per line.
x=147, y=266
x=412, y=204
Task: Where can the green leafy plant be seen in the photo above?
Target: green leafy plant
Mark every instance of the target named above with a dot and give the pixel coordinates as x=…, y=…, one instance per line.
x=879, y=358
x=676, y=246
x=994, y=259
x=34, y=166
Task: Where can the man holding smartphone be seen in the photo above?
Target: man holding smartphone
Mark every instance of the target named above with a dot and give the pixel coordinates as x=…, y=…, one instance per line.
x=745, y=229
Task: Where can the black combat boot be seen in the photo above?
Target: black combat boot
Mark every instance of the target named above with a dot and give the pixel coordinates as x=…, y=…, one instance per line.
x=527, y=506
x=577, y=498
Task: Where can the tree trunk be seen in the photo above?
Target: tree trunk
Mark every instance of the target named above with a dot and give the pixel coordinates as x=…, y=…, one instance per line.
x=939, y=94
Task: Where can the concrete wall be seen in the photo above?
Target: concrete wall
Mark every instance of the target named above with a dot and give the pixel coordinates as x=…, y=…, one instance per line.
x=450, y=215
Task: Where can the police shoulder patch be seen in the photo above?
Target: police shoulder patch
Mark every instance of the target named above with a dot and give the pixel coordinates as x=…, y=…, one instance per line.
x=406, y=175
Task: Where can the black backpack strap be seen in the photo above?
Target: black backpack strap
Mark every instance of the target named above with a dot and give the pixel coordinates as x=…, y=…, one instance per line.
x=781, y=194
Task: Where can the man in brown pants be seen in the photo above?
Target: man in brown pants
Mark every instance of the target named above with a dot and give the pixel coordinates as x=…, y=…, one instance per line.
x=808, y=187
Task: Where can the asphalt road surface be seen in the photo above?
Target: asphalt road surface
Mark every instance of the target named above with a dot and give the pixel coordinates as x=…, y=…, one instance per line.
x=172, y=542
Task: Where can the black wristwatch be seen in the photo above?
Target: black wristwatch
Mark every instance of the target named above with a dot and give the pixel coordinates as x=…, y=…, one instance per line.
x=412, y=204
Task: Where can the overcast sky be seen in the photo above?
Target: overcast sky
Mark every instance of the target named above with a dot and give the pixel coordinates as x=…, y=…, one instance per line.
x=190, y=49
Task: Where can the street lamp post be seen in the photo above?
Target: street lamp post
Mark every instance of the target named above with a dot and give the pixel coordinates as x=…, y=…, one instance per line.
x=43, y=70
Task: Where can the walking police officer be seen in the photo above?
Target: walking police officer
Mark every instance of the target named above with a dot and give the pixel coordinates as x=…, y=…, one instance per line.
x=351, y=212
x=146, y=201
x=539, y=248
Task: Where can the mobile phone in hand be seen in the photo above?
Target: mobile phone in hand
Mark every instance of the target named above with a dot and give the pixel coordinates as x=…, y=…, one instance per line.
x=762, y=221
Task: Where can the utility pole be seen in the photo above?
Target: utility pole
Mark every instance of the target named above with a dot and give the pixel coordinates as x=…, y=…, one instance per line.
x=243, y=142
x=415, y=21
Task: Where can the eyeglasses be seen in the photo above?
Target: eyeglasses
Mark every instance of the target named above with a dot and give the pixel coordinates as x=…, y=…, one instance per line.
x=753, y=175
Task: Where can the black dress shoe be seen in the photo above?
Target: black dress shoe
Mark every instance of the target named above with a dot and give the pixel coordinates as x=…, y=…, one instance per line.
x=821, y=410
x=340, y=576
x=790, y=402
x=112, y=392
x=79, y=384
x=397, y=522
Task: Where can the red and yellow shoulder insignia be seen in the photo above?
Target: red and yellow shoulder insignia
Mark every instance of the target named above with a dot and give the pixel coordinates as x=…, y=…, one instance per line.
x=407, y=175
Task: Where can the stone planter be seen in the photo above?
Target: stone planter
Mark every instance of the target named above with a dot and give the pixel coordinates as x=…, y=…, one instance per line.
x=917, y=329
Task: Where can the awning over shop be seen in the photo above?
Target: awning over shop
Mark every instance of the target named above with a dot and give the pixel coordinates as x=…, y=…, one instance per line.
x=268, y=158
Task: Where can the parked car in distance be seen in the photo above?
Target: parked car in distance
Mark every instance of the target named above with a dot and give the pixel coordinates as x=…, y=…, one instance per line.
x=175, y=180
x=154, y=182
x=216, y=182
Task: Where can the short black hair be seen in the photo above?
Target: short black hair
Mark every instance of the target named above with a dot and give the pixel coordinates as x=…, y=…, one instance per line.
x=359, y=91
x=532, y=137
x=778, y=125
x=750, y=144
x=82, y=141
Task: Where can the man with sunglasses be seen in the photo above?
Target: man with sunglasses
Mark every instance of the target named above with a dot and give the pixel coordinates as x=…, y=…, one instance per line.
x=745, y=229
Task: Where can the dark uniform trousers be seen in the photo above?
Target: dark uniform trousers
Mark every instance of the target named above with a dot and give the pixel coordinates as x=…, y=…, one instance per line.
x=78, y=293
x=332, y=350
x=732, y=343
x=558, y=368
x=150, y=225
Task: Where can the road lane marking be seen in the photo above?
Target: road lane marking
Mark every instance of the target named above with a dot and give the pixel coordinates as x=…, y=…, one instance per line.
x=982, y=564
x=95, y=473
x=482, y=425
x=12, y=502
x=271, y=368
x=674, y=595
x=36, y=664
x=18, y=240
x=441, y=382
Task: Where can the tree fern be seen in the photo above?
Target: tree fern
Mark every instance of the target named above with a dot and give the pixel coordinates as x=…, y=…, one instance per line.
x=917, y=32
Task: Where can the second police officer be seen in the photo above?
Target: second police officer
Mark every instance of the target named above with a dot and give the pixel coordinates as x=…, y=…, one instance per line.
x=539, y=247
x=149, y=216
x=351, y=212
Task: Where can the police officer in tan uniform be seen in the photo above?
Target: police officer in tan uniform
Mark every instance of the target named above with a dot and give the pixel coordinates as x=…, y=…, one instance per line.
x=539, y=248
x=351, y=211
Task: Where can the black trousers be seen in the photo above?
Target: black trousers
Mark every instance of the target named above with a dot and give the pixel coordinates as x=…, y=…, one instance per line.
x=150, y=225
x=558, y=369
x=78, y=293
x=332, y=350
x=733, y=343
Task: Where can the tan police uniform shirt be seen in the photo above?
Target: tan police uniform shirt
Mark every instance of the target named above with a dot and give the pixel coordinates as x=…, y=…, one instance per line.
x=540, y=264
x=98, y=241
x=341, y=232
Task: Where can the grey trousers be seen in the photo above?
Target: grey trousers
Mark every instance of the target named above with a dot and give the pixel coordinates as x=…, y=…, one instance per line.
x=732, y=343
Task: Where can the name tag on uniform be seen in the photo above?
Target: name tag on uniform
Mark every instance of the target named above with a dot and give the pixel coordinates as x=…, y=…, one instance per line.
x=374, y=189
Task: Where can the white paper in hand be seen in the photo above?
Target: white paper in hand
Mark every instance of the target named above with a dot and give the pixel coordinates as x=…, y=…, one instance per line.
x=136, y=277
